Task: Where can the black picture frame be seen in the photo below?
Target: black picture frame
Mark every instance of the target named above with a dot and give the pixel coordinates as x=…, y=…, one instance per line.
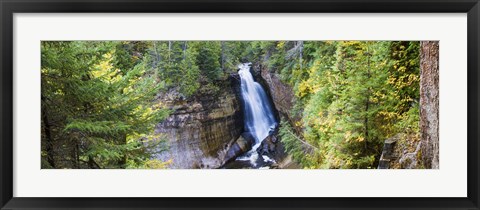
x=10, y=7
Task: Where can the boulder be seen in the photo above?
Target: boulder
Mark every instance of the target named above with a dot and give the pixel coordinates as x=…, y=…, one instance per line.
x=388, y=152
x=400, y=152
x=243, y=144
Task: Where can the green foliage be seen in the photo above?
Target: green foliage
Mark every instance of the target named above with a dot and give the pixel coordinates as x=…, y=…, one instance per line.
x=284, y=57
x=192, y=66
x=405, y=73
x=99, y=109
x=300, y=150
x=350, y=96
x=98, y=98
x=95, y=115
x=232, y=54
x=256, y=49
x=128, y=54
x=176, y=65
x=209, y=58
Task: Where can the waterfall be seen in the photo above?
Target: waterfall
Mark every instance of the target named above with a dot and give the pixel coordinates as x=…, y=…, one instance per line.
x=259, y=118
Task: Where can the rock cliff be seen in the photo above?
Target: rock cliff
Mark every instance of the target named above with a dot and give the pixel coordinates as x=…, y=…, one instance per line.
x=281, y=93
x=283, y=99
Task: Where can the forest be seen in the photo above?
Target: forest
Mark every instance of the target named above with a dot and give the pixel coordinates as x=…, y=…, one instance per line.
x=239, y=104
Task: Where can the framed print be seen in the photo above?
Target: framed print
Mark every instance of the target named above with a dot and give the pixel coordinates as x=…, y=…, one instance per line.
x=239, y=105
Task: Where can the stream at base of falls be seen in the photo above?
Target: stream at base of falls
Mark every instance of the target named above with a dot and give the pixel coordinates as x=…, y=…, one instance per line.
x=259, y=121
x=252, y=160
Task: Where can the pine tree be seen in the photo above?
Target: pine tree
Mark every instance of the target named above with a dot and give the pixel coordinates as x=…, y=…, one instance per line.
x=350, y=104
x=100, y=115
x=209, y=59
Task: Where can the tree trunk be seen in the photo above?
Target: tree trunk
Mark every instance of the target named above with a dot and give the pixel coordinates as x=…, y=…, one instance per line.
x=122, y=163
x=300, y=54
x=367, y=101
x=91, y=163
x=429, y=102
x=169, y=50
x=49, y=141
x=184, y=50
x=157, y=56
x=223, y=55
x=76, y=162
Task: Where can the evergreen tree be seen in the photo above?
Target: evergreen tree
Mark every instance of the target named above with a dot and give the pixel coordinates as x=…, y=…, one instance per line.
x=95, y=115
x=350, y=102
x=209, y=58
x=99, y=108
x=175, y=64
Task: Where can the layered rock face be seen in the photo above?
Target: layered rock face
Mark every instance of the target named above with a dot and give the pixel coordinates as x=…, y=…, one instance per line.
x=282, y=94
x=283, y=99
x=200, y=131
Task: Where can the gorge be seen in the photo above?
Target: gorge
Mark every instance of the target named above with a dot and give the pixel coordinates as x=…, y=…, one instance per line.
x=190, y=105
x=223, y=131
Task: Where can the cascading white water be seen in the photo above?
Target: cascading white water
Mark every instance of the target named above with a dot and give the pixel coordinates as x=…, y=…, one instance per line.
x=259, y=118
